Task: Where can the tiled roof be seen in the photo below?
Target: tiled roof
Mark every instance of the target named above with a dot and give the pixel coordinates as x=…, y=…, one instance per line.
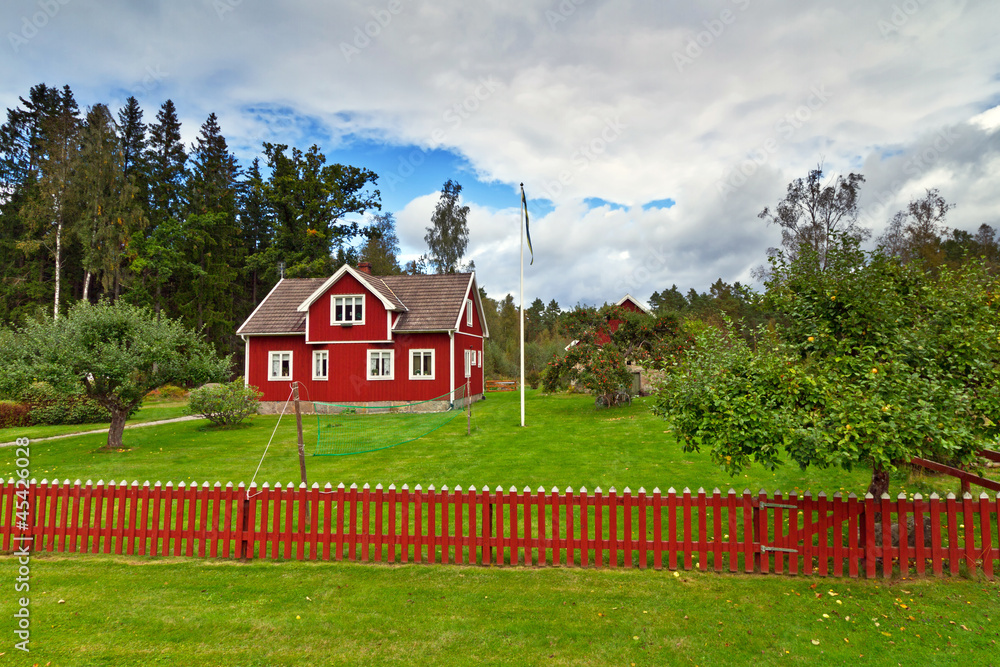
x=433, y=301
x=378, y=284
x=426, y=302
x=276, y=313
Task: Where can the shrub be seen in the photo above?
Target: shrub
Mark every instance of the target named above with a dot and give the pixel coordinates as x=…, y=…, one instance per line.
x=224, y=404
x=168, y=392
x=49, y=405
x=13, y=413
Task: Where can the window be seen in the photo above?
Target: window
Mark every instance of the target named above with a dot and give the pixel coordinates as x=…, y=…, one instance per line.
x=321, y=365
x=380, y=364
x=480, y=355
x=469, y=356
x=347, y=309
x=281, y=366
x=421, y=364
x=468, y=312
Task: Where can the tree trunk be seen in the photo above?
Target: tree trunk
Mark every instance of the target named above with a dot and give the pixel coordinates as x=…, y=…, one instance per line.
x=880, y=483
x=59, y=228
x=118, y=417
x=86, y=285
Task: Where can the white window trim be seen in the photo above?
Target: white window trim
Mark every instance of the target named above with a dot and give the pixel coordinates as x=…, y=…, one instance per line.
x=333, y=309
x=468, y=312
x=270, y=365
x=480, y=355
x=392, y=365
x=421, y=352
x=316, y=355
x=468, y=363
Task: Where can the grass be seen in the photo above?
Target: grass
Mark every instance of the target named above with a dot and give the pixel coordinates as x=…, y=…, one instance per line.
x=132, y=611
x=118, y=611
x=566, y=442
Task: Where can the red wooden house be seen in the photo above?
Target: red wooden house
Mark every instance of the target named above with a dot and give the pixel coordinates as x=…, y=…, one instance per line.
x=362, y=339
x=627, y=302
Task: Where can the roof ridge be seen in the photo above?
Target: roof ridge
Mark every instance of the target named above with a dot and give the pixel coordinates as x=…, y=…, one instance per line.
x=381, y=279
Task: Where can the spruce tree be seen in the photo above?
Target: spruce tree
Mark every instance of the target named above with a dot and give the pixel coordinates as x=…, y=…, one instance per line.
x=166, y=160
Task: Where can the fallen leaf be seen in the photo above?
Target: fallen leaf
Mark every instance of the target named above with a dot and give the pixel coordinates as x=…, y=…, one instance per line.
x=815, y=642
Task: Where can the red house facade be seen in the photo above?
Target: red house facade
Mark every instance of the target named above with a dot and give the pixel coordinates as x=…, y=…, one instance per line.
x=355, y=338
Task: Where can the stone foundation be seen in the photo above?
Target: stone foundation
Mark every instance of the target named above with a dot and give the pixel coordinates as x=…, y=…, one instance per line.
x=307, y=407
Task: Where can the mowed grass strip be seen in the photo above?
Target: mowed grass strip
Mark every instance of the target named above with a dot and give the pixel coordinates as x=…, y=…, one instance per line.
x=94, y=610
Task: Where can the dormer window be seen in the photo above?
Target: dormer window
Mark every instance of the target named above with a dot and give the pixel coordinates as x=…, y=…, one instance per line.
x=347, y=309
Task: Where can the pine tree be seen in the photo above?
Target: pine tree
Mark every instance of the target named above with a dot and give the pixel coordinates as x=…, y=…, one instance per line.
x=132, y=135
x=256, y=230
x=166, y=158
x=212, y=248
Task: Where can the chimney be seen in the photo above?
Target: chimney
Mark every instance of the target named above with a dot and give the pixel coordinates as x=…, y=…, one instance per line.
x=365, y=267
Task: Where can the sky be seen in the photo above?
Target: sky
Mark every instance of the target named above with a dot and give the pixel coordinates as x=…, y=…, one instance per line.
x=648, y=134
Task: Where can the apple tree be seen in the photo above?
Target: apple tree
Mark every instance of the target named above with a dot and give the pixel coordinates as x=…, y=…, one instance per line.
x=116, y=352
x=869, y=363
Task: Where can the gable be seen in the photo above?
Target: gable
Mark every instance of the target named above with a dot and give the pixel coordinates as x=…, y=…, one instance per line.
x=434, y=302
x=369, y=283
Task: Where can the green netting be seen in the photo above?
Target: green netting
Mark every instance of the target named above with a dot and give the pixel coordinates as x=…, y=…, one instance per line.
x=354, y=429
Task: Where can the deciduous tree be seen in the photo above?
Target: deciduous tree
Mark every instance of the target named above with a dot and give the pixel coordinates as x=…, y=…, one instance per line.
x=117, y=352
x=871, y=362
x=448, y=236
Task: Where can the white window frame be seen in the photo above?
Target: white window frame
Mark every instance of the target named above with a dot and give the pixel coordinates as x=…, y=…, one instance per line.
x=392, y=364
x=422, y=353
x=479, y=354
x=468, y=312
x=325, y=356
x=270, y=365
x=468, y=362
x=343, y=298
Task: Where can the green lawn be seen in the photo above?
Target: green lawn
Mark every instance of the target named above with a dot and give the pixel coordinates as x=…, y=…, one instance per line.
x=567, y=442
x=138, y=611
x=93, y=610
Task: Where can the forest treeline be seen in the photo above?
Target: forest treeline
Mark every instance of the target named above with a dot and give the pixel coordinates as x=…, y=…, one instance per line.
x=103, y=203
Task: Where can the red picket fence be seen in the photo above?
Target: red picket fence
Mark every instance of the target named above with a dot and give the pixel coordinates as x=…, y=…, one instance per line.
x=722, y=532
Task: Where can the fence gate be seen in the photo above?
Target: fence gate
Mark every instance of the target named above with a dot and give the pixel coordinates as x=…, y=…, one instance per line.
x=803, y=535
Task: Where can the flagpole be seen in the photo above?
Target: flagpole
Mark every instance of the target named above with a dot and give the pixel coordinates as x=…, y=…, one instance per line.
x=522, y=304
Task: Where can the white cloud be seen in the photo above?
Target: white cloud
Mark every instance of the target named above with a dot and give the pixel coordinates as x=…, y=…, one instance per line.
x=582, y=99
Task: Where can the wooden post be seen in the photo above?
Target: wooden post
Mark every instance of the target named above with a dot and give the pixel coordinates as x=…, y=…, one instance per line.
x=468, y=418
x=302, y=445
